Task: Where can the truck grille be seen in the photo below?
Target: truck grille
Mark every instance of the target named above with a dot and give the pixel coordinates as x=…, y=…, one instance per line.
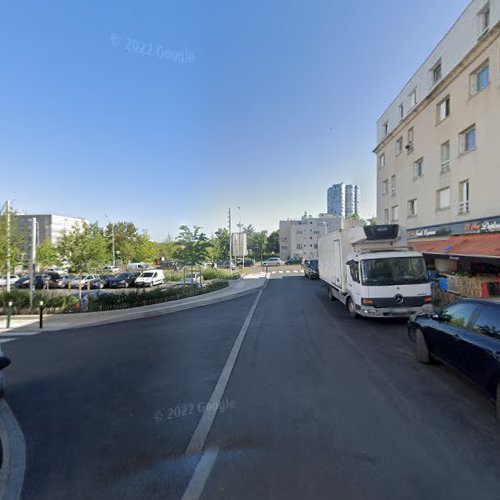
x=392, y=302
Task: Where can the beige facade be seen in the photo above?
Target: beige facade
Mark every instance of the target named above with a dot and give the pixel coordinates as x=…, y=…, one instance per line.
x=441, y=163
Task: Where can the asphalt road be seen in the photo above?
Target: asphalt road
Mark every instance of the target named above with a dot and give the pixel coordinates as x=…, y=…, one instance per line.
x=317, y=406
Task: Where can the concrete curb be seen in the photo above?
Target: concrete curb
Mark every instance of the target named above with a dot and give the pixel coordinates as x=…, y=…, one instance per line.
x=140, y=312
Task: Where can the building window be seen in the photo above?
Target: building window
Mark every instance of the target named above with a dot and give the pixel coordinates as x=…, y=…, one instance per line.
x=409, y=144
x=393, y=185
x=386, y=216
x=463, y=194
x=418, y=168
x=484, y=19
x=381, y=161
x=436, y=72
x=385, y=187
x=480, y=79
x=399, y=146
x=443, y=199
x=412, y=208
x=443, y=109
x=445, y=156
x=467, y=140
x=299, y=246
x=395, y=213
x=385, y=128
x=401, y=111
x=413, y=98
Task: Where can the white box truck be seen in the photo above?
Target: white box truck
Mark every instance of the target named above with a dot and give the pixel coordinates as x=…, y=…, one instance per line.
x=373, y=272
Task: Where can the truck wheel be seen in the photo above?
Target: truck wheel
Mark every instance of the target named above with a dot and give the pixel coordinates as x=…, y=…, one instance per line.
x=351, y=309
x=421, y=350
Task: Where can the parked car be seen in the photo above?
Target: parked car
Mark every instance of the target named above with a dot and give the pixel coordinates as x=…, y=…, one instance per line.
x=13, y=279
x=224, y=264
x=466, y=336
x=272, y=261
x=150, y=278
x=65, y=279
x=55, y=280
x=123, y=280
x=311, y=270
x=96, y=284
x=293, y=260
x=247, y=262
x=56, y=270
x=111, y=269
x=192, y=279
x=23, y=282
x=84, y=279
x=137, y=266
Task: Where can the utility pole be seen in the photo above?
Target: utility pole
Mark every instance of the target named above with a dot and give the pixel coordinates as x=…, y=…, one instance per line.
x=8, y=247
x=32, y=261
x=113, y=243
x=230, y=243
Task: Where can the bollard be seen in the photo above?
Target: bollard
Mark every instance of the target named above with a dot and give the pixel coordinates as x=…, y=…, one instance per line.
x=9, y=312
x=41, y=314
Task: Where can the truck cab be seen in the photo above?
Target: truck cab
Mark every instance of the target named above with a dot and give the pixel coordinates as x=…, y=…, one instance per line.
x=373, y=271
x=389, y=283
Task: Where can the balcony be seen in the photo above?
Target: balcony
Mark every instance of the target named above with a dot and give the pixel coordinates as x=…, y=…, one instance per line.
x=463, y=207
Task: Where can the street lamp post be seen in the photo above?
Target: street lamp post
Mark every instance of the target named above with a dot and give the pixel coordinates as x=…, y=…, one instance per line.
x=112, y=240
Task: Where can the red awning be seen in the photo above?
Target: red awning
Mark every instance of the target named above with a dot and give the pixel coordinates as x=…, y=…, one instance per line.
x=470, y=245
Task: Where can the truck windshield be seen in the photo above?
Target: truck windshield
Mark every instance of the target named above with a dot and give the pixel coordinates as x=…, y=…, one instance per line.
x=394, y=271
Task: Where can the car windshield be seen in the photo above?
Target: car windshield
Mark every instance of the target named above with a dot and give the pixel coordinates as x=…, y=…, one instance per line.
x=394, y=271
x=147, y=275
x=122, y=276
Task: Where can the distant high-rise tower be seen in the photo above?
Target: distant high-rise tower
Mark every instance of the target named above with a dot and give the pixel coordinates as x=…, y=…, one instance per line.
x=343, y=199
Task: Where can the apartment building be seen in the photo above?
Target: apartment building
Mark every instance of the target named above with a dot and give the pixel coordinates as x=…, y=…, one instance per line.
x=343, y=199
x=299, y=237
x=48, y=227
x=438, y=151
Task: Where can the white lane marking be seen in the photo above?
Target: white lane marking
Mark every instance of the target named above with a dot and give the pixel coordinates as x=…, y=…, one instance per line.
x=281, y=272
x=273, y=272
x=200, y=434
x=288, y=272
x=295, y=271
x=200, y=476
x=202, y=471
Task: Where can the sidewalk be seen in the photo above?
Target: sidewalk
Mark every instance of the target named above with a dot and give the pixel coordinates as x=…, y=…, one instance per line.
x=28, y=325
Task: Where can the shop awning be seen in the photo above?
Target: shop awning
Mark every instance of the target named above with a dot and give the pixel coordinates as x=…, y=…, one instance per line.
x=470, y=245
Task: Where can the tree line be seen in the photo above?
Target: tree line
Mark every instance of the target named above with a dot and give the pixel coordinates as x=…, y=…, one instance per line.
x=90, y=246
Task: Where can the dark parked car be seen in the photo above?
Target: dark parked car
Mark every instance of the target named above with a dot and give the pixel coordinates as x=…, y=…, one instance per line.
x=23, y=282
x=466, y=336
x=123, y=280
x=41, y=281
x=311, y=270
x=293, y=260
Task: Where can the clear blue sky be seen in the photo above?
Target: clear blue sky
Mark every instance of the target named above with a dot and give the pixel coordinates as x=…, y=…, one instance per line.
x=280, y=102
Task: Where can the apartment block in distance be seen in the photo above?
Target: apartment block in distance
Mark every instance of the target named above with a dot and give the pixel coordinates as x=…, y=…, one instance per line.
x=48, y=227
x=438, y=151
x=343, y=200
x=299, y=237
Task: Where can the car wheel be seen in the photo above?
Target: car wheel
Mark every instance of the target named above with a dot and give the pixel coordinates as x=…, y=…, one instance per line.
x=421, y=350
x=351, y=308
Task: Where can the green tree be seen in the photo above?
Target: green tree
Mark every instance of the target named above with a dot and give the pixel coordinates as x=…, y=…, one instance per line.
x=194, y=246
x=220, y=244
x=167, y=249
x=85, y=248
x=145, y=250
x=257, y=245
x=47, y=254
x=354, y=216
x=15, y=240
x=273, y=243
x=127, y=239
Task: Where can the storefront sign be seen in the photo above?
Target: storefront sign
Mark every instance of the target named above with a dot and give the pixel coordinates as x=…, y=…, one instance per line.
x=489, y=225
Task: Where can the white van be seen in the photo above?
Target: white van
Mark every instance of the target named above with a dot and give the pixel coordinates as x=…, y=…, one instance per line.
x=137, y=266
x=150, y=278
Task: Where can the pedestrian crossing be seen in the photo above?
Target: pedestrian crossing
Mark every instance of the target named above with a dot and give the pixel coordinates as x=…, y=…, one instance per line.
x=285, y=272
